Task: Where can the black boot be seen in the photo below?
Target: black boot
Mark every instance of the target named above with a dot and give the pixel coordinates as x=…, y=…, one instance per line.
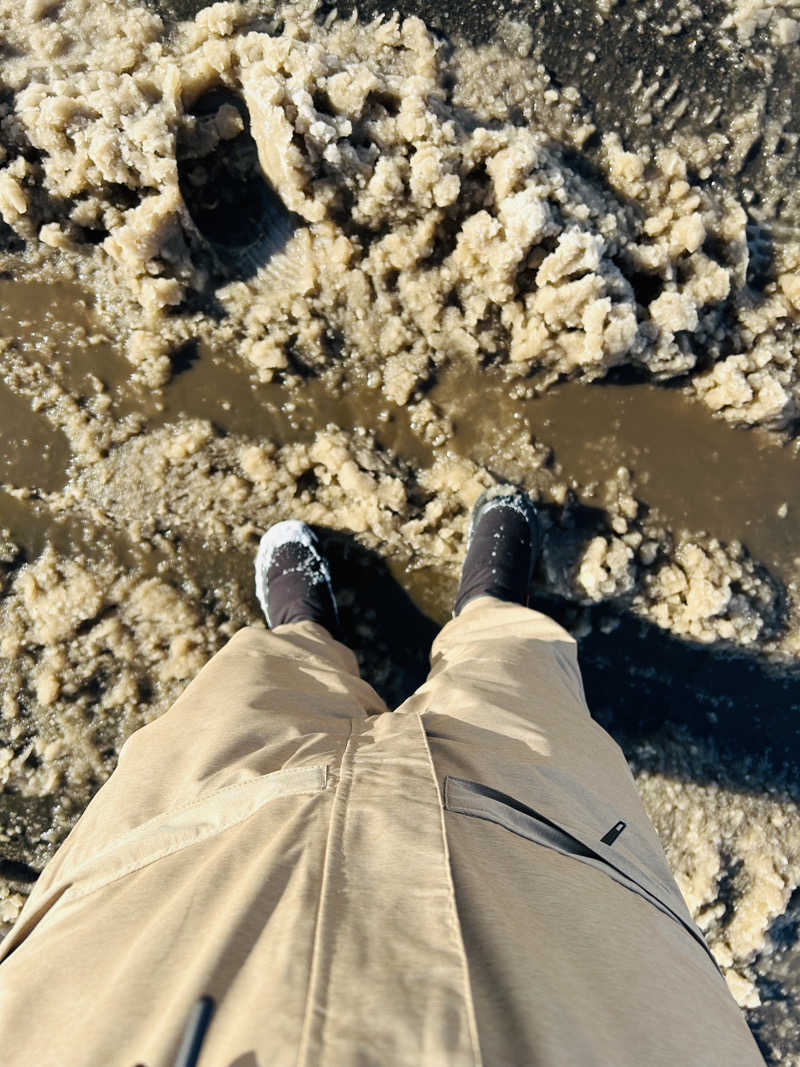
x=293, y=580
x=502, y=548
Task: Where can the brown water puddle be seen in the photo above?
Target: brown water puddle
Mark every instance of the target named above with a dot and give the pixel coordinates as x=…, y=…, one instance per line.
x=42, y=309
x=699, y=472
x=219, y=388
x=51, y=324
x=32, y=452
x=32, y=526
x=54, y=324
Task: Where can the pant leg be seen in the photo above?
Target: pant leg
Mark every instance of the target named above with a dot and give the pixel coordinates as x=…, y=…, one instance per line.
x=268, y=700
x=511, y=654
x=579, y=951
x=509, y=675
x=504, y=706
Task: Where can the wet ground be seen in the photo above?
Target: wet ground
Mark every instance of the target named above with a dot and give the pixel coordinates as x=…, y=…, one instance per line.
x=699, y=472
x=652, y=690
x=706, y=716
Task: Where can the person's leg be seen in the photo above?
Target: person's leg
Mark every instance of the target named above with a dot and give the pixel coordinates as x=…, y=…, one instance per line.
x=502, y=546
x=503, y=705
x=497, y=664
x=243, y=715
x=268, y=701
x=580, y=946
x=293, y=578
x=508, y=677
x=200, y=866
x=504, y=709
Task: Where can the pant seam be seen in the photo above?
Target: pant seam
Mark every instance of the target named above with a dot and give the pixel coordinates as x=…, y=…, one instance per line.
x=456, y=924
x=320, y=953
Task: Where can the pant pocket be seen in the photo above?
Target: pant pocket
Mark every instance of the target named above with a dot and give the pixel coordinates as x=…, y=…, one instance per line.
x=570, y=838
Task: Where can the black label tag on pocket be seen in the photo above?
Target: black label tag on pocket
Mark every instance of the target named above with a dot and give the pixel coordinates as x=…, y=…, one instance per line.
x=613, y=833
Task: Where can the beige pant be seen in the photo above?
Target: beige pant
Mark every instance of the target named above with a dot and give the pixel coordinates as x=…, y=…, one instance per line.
x=468, y=879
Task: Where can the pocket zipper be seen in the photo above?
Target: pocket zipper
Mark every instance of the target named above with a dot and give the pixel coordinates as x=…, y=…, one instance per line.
x=483, y=802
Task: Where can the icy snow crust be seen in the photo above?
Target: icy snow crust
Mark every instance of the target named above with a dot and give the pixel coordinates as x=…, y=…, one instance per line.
x=432, y=228
x=429, y=230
